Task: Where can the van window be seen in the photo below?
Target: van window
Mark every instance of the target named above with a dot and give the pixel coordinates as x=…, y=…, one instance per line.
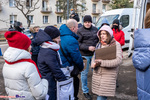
x=110, y=19
x=124, y=20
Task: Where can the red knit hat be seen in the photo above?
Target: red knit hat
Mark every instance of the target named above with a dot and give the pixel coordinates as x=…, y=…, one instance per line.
x=17, y=40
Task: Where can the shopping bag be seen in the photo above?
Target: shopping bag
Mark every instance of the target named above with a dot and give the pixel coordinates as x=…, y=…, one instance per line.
x=67, y=70
x=84, y=62
x=65, y=90
x=47, y=97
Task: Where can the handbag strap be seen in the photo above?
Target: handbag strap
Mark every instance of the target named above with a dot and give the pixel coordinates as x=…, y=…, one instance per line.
x=64, y=54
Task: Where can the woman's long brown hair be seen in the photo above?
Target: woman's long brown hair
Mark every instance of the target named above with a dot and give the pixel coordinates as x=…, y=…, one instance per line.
x=108, y=37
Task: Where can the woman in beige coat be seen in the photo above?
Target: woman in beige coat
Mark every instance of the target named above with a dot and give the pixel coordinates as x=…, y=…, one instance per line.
x=105, y=71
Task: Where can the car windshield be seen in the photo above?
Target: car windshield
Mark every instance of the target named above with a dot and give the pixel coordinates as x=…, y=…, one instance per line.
x=110, y=19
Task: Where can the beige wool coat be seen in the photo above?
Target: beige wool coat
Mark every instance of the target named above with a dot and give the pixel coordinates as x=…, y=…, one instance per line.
x=104, y=77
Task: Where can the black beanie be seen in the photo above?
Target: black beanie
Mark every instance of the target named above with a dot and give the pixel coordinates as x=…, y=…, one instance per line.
x=116, y=21
x=75, y=16
x=52, y=31
x=87, y=18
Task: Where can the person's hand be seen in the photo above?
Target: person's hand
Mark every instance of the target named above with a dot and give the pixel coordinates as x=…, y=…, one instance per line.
x=91, y=48
x=96, y=64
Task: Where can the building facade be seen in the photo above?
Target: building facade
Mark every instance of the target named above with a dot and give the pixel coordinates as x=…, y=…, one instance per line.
x=47, y=13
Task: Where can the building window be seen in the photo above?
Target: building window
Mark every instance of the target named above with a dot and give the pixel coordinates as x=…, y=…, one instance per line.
x=45, y=19
x=104, y=8
x=58, y=8
x=94, y=8
x=30, y=17
x=28, y=3
x=11, y=3
x=94, y=19
x=84, y=6
x=44, y=5
x=13, y=18
x=59, y=19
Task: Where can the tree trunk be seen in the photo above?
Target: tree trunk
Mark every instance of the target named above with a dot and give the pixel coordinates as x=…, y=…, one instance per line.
x=28, y=22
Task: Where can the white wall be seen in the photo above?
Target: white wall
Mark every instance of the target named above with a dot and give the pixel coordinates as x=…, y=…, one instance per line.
x=38, y=16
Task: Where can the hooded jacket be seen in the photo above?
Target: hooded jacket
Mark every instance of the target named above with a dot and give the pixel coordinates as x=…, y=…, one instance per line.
x=70, y=47
x=141, y=61
x=22, y=78
x=119, y=36
x=49, y=64
x=104, y=76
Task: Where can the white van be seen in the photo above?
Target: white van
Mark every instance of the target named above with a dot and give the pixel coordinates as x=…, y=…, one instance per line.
x=125, y=17
x=140, y=6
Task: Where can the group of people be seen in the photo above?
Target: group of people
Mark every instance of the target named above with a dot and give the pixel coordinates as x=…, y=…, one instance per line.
x=52, y=50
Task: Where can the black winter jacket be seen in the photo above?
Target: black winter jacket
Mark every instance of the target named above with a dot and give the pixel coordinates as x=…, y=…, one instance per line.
x=87, y=37
x=49, y=64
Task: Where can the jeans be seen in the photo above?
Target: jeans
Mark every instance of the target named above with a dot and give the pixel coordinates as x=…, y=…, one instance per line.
x=101, y=98
x=84, y=75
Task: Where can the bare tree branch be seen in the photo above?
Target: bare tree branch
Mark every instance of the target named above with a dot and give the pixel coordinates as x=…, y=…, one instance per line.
x=31, y=10
x=21, y=6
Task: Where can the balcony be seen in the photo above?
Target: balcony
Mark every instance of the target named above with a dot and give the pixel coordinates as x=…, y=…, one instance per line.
x=46, y=10
x=95, y=0
x=58, y=11
x=105, y=1
x=96, y=12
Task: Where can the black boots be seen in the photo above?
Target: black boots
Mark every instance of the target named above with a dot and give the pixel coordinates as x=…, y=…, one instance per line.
x=87, y=96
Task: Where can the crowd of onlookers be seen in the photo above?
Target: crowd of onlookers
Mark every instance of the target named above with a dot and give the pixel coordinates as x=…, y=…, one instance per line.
x=58, y=54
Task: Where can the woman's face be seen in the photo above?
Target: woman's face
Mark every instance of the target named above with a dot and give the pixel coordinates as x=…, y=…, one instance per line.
x=57, y=40
x=103, y=36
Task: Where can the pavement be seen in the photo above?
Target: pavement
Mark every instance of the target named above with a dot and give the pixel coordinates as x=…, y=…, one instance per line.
x=126, y=81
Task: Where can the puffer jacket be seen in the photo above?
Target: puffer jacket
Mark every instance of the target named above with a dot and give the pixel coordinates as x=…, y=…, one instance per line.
x=87, y=37
x=70, y=47
x=104, y=77
x=22, y=78
x=141, y=61
x=119, y=36
x=49, y=64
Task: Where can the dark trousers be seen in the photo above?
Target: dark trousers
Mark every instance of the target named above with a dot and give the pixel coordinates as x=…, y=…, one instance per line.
x=34, y=58
x=76, y=86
